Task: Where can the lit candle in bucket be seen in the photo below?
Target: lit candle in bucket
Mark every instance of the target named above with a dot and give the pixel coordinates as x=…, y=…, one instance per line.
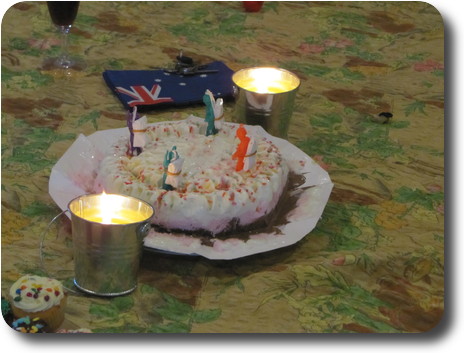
x=265, y=97
x=107, y=233
x=266, y=80
x=110, y=209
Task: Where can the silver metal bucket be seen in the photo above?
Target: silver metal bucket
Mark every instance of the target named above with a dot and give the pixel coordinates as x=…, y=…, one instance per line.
x=107, y=256
x=271, y=110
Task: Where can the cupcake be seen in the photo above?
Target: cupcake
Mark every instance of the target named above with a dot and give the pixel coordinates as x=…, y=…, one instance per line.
x=28, y=325
x=39, y=297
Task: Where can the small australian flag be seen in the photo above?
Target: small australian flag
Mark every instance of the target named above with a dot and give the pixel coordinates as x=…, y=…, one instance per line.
x=150, y=89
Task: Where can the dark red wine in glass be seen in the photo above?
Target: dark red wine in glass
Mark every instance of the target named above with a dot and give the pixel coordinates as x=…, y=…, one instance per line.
x=63, y=14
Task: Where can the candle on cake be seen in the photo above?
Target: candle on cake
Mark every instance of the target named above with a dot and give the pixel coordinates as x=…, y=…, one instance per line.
x=246, y=150
x=172, y=169
x=210, y=117
x=137, y=127
x=214, y=113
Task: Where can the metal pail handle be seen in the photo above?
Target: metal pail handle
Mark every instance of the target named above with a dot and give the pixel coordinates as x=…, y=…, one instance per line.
x=41, y=252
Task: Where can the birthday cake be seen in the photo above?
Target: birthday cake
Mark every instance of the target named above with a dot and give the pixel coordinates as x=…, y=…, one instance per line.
x=198, y=180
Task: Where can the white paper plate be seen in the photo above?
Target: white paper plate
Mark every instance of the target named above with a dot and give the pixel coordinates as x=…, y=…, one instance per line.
x=74, y=174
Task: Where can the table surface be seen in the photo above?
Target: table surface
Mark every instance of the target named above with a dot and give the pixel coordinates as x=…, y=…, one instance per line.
x=374, y=262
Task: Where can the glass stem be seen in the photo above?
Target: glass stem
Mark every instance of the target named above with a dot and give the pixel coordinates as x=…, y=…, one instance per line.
x=64, y=44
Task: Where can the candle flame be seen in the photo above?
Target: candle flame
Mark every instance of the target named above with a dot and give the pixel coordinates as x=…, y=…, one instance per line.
x=264, y=78
x=109, y=205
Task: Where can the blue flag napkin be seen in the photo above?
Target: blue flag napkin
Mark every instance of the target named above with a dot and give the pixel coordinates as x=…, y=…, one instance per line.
x=150, y=89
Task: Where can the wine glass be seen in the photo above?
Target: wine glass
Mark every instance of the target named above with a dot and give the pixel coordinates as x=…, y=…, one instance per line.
x=63, y=14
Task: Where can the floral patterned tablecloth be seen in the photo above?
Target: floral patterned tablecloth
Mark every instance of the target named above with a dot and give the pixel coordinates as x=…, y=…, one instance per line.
x=374, y=262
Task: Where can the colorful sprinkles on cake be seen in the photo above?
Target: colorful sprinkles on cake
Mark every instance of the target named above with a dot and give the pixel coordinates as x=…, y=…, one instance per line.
x=208, y=170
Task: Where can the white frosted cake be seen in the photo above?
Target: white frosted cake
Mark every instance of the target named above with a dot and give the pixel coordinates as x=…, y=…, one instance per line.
x=211, y=197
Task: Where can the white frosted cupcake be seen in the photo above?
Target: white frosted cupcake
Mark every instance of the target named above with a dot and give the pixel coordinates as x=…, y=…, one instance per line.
x=40, y=297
